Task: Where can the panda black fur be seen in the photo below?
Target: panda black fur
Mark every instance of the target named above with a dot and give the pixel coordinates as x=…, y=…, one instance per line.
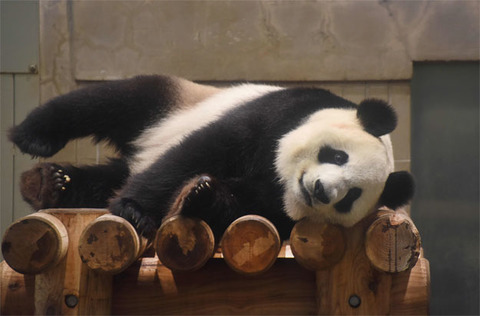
x=216, y=154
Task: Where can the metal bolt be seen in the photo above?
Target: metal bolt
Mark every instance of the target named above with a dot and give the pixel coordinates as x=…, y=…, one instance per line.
x=33, y=68
x=354, y=301
x=71, y=300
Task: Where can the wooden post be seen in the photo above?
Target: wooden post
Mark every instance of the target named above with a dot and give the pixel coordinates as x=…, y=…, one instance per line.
x=110, y=244
x=366, y=279
x=71, y=288
x=250, y=245
x=353, y=286
x=183, y=243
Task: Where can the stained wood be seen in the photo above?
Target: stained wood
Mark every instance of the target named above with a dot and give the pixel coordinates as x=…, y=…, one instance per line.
x=71, y=278
x=352, y=286
x=410, y=293
x=353, y=276
x=250, y=245
x=110, y=244
x=183, y=243
x=17, y=291
x=35, y=243
x=151, y=288
x=317, y=246
x=393, y=242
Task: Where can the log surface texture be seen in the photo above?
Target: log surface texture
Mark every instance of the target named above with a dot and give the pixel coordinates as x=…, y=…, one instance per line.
x=251, y=244
x=110, y=244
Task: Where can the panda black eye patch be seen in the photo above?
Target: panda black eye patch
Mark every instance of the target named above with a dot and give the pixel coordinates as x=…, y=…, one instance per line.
x=329, y=155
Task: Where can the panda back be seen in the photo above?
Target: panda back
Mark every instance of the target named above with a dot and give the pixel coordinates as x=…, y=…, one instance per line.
x=172, y=129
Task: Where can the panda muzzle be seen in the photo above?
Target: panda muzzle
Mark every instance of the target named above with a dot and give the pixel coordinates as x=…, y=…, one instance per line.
x=319, y=193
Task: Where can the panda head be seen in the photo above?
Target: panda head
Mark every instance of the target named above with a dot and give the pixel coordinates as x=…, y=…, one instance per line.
x=337, y=166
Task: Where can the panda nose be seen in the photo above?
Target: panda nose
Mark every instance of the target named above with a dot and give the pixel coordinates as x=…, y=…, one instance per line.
x=319, y=193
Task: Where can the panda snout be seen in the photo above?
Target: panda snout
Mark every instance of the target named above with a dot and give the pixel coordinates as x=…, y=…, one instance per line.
x=319, y=192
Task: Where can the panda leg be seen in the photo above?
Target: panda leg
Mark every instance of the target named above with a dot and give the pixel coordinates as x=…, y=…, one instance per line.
x=50, y=185
x=209, y=199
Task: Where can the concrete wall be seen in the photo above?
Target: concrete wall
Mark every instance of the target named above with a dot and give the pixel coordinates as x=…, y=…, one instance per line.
x=264, y=40
x=356, y=48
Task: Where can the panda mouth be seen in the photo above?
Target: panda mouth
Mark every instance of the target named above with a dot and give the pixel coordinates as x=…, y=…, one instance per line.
x=306, y=195
x=345, y=204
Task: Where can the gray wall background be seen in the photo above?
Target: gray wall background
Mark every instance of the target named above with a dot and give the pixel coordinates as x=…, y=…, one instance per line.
x=445, y=161
x=357, y=49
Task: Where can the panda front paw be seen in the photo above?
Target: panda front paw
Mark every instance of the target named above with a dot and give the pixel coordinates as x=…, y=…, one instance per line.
x=35, y=144
x=44, y=184
x=196, y=195
x=201, y=193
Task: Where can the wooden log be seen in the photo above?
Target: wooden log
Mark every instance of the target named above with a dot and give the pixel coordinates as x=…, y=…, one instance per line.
x=410, y=293
x=17, y=291
x=35, y=243
x=317, y=246
x=148, y=288
x=392, y=242
x=250, y=245
x=183, y=243
x=110, y=244
x=71, y=288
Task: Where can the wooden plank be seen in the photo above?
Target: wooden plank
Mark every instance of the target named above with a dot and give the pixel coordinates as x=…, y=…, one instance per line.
x=26, y=99
x=354, y=92
x=6, y=152
x=377, y=90
x=19, y=35
x=410, y=294
x=17, y=292
x=399, y=97
x=150, y=288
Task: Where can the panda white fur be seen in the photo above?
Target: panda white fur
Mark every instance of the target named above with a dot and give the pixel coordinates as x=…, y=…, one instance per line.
x=216, y=154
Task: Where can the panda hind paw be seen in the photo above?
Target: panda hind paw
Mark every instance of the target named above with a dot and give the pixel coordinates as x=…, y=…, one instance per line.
x=43, y=185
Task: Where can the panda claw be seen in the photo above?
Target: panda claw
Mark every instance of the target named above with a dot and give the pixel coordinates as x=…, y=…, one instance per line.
x=199, y=194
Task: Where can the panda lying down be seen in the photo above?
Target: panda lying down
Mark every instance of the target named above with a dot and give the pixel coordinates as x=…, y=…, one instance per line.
x=216, y=154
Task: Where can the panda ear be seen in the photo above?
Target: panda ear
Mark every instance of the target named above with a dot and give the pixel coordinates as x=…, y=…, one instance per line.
x=377, y=117
x=399, y=190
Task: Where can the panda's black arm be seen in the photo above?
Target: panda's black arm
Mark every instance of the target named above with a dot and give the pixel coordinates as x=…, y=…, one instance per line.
x=116, y=111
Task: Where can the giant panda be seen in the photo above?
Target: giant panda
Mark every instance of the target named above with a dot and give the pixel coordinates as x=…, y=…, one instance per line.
x=216, y=153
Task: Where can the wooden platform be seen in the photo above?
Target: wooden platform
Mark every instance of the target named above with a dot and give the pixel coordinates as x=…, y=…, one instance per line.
x=338, y=276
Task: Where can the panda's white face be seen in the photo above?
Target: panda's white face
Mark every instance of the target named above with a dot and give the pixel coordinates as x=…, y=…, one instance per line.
x=331, y=169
